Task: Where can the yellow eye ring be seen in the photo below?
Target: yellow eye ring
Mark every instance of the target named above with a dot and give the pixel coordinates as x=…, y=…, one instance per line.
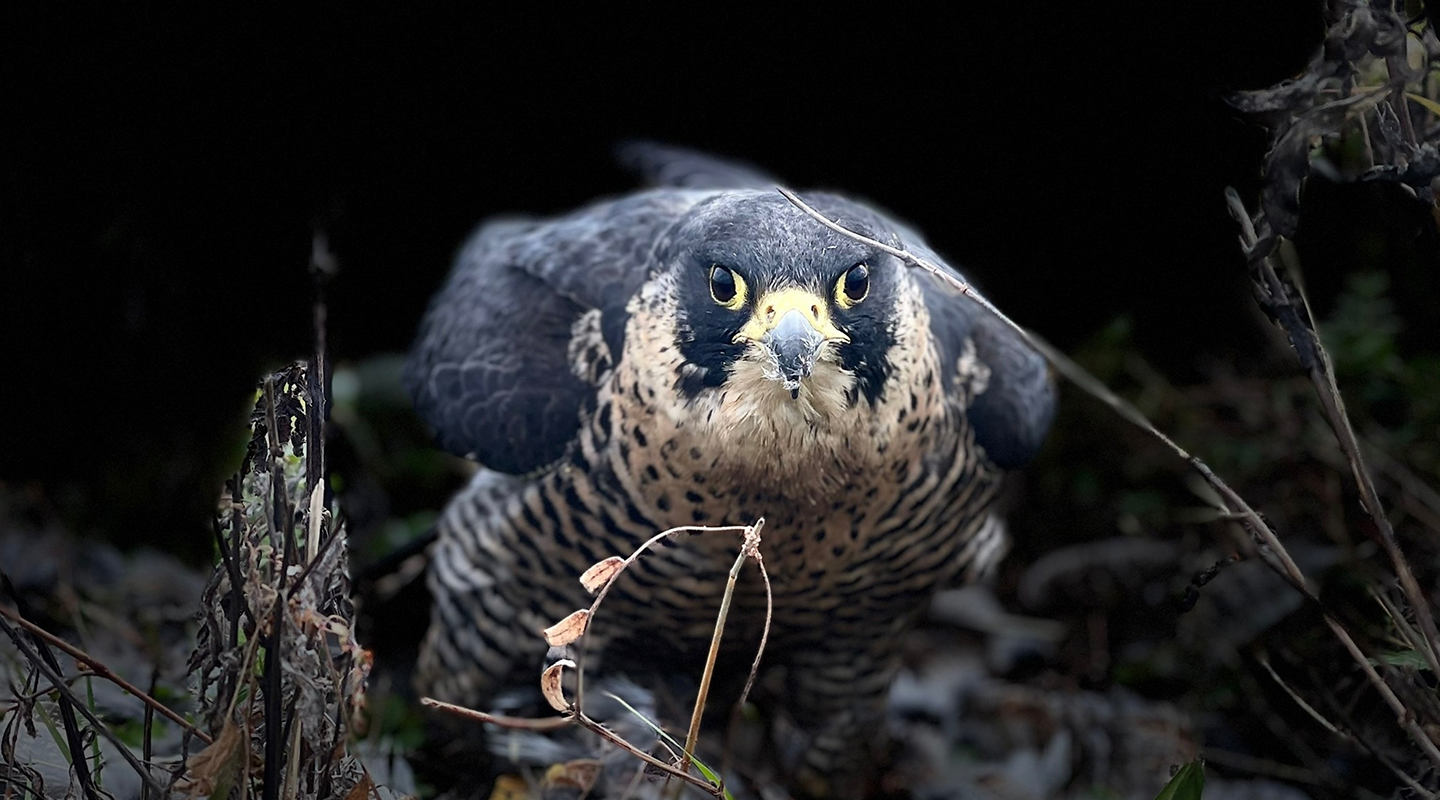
x=727, y=288
x=853, y=286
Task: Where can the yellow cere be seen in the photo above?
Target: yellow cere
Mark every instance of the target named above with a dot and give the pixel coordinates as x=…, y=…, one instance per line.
x=773, y=307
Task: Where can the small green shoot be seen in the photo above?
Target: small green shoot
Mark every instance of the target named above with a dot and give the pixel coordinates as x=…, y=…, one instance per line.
x=94, y=741
x=1402, y=658
x=705, y=770
x=1188, y=783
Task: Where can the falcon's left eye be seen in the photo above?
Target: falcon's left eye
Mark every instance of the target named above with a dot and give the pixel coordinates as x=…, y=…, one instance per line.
x=853, y=286
x=727, y=287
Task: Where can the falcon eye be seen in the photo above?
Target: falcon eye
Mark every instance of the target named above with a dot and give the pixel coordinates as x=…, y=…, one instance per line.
x=726, y=287
x=853, y=286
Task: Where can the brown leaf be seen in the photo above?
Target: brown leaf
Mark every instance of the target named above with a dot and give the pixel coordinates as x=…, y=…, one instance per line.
x=550, y=684
x=215, y=767
x=362, y=787
x=578, y=774
x=510, y=787
x=567, y=630
x=600, y=573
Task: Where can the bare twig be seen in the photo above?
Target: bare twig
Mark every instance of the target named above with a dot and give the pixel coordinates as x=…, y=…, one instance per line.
x=1272, y=551
x=765, y=632
x=580, y=719
x=605, y=590
x=57, y=680
x=751, y=546
x=147, y=752
x=909, y=258
x=67, y=714
x=1356, y=734
x=284, y=555
x=100, y=670
x=1286, y=304
x=609, y=571
x=1260, y=766
x=1264, y=660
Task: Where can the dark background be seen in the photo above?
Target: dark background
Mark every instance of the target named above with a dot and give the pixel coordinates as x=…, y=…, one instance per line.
x=164, y=172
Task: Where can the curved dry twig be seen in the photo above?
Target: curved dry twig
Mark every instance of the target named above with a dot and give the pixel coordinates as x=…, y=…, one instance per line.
x=610, y=581
x=101, y=671
x=575, y=718
x=1273, y=552
x=58, y=682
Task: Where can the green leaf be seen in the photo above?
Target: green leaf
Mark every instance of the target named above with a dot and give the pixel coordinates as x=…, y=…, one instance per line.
x=1402, y=658
x=708, y=773
x=95, y=743
x=1430, y=105
x=54, y=730
x=1188, y=783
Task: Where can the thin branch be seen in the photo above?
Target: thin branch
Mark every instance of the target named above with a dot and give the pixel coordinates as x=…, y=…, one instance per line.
x=1277, y=557
x=147, y=751
x=1261, y=766
x=605, y=590
x=750, y=546
x=1355, y=734
x=517, y=723
x=765, y=632
x=577, y=719
x=903, y=255
x=100, y=670
x=284, y=556
x=67, y=714
x=57, y=680
x=1288, y=307
x=1294, y=695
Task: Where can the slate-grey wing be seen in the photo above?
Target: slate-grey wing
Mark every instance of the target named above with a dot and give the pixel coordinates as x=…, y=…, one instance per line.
x=490, y=369
x=1012, y=415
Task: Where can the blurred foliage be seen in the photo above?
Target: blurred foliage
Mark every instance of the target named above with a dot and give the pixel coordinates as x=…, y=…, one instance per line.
x=1258, y=424
x=1188, y=783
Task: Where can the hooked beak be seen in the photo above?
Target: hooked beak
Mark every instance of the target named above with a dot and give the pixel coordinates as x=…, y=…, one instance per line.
x=794, y=325
x=796, y=344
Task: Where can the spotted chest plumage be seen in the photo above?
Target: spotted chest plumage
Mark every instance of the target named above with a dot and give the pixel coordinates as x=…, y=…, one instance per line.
x=707, y=358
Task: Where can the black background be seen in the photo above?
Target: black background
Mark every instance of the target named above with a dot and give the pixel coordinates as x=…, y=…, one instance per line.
x=164, y=171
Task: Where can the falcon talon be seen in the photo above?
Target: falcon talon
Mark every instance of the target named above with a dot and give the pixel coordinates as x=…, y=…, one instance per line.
x=624, y=369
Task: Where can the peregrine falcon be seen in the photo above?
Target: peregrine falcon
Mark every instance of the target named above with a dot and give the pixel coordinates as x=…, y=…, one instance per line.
x=703, y=352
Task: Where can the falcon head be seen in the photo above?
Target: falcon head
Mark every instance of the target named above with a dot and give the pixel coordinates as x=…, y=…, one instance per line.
x=769, y=301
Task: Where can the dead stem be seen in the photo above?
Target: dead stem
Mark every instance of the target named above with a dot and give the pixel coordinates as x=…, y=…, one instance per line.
x=57, y=681
x=1274, y=552
x=517, y=723
x=605, y=589
x=575, y=718
x=769, y=613
x=102, y=671
x=1301, y=327
x=750, y=546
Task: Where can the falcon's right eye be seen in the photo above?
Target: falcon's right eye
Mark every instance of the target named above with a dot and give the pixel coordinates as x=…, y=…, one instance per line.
x=727, y=287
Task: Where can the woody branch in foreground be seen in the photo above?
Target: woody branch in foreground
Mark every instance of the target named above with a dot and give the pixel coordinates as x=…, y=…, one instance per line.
x=576, y=627
x=1269, y=547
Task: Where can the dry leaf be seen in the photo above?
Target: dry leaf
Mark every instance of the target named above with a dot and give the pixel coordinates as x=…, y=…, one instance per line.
x=216, y=766
x=510, y=787
x=550, y=684
x=567, y=630
x=362, y=788
x=578, y=774
x=600, y=573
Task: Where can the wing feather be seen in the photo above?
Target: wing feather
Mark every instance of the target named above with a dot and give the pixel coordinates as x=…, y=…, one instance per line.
x=490, y=369
x=1011, y=417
